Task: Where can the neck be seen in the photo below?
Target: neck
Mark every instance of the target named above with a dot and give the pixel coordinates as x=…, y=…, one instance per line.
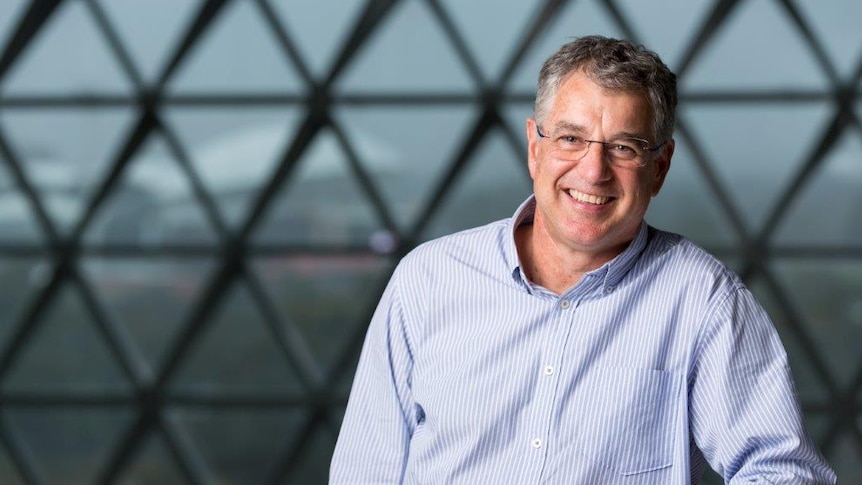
x=552, y=265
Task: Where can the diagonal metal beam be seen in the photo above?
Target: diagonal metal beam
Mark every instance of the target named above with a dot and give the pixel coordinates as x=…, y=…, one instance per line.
x=31, y=23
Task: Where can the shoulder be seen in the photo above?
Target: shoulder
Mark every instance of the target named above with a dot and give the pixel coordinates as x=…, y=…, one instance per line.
x=678, y=263
x=479, y=247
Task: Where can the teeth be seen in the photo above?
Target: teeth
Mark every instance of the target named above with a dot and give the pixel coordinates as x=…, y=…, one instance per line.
x=589, y=199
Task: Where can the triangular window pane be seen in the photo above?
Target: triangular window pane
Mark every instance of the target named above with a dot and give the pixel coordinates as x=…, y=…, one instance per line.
x=407, y=150
x=238, y=52
x=236, y=352
x=757, y=149
x=492, y=44
x=743, y=56
x=313, y=463
x=58, y=440
x=242, y=446
x=9, y=470
x=150, y=298
x=836, y=26
x=576, y=19
x=151, y=205
x=234, y=151
x=328, y=299
x=152, y=463
x=835, y=188
x=68, y=55
x=827, y=295
x=651, y=24
x=808, y=381
x=493, y=184
x=22, y=277
x=66, y=352
x=408, y=51
x=65, y=154
x=319, y=46
x=10, y=12
x=688, y=206
x=150, y=30
x=17, y=217
x=322, y=203
x=846, y=455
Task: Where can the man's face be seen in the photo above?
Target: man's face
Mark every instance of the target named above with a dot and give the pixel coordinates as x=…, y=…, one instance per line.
x=590, y=205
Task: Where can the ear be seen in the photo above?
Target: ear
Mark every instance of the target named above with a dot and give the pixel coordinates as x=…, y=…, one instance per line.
x=662, y=165
x=532, y=146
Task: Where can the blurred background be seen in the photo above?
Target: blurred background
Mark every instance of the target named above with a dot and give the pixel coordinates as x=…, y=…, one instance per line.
x=200, y=203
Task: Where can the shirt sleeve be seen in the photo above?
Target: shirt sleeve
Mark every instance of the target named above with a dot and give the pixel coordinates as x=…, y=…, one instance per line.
x=745, y=415
x=380, y=417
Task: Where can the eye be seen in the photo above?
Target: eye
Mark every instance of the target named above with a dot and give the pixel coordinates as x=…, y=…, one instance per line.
x=623, y=149
x=571, y=140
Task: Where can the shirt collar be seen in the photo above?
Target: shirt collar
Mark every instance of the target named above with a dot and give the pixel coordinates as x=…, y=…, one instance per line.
x=611, y=272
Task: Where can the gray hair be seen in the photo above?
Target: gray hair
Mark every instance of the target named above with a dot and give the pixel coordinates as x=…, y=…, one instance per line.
x=617, y=65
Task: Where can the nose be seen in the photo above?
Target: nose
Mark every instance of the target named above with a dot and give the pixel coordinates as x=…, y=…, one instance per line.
x=593, y=166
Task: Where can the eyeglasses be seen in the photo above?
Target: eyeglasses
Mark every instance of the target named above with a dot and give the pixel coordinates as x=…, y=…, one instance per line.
x=624, y=152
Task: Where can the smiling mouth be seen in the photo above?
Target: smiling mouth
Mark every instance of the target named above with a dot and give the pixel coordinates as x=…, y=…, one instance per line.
x=587, y=198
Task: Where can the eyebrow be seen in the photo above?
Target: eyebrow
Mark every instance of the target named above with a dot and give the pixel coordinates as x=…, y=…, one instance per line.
x=566, y=126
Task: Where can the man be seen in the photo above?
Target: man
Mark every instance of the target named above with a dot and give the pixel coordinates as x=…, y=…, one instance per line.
x=573, y=343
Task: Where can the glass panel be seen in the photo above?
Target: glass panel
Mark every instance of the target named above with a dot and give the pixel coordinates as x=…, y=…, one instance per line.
x=150, y=30
x=826, y=210
x=66, y=352
x=407, y=52
x=149, y=297
x=329, y=299
x=17, y=217
x=9, y=19
x=652, y=25
x=65, y=153
x=836, y=28
x=234, y=151
x=151, y=205
x=319, y=46
x=688, y=206
x=808, y=382
x=322, y=203
x=234, y=345
x=818, y=424
x=829, y=296
x=407, y=150
x=844, y=458
x=492, y=185
x=575, y=19
x=711, y=478
x=152, y=464
x=68, y=56
x=241, y=445
x=492, y=44
x=9, y=470
x=758, y=57
x=238, y=52
x=313, y=463
x=69, y=445
x=757, y=149
x=20, y=278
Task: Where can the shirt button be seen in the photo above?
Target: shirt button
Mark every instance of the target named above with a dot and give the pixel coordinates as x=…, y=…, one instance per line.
x=549, y=370
x=564, y=304
x=537, y=443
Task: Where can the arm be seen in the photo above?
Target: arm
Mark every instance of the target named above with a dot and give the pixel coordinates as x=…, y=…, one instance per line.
x=380, y=418
x=745, y=416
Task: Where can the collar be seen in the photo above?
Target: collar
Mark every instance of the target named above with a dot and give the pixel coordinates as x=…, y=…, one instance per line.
x=611, y=273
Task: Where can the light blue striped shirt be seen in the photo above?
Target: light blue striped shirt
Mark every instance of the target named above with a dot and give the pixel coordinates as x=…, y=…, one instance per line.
x=652, y=366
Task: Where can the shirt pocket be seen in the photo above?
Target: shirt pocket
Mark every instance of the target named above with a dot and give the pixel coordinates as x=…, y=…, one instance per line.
x=630, y=418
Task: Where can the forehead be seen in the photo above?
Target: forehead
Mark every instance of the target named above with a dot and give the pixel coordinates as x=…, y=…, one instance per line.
x=580, y=101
